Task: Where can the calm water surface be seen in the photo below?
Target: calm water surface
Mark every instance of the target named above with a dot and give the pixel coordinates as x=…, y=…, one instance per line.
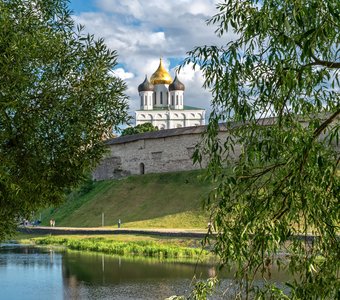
x=33, y=273
x=41, y=273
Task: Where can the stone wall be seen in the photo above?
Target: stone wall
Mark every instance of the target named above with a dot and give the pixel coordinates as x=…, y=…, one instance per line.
x=153, y=152
x=160, y=151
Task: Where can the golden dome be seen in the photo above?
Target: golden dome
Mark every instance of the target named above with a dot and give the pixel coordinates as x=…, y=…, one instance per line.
x=161, y=76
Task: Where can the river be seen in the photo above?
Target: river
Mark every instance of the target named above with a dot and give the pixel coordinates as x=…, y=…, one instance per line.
x=28, y=272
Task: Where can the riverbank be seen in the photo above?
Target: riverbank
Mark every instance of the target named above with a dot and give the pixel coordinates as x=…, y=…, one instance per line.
x=160, y=247
x=184, y=233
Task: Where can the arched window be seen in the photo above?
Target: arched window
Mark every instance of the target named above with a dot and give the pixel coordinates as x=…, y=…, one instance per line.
x=161, y=97
x=176, y=99
x=154, y=98
x=145, y=100
x=172, y=100
x=141, y=100
x=141, y=168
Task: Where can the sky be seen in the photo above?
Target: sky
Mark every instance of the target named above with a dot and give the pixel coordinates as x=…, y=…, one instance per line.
x=142, y=31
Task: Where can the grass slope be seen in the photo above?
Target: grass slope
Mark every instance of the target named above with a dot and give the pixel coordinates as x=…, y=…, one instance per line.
x=171, y=200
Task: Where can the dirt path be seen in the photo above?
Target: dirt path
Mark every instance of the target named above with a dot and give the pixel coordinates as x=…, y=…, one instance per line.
x=181, y=233
x=99, y=230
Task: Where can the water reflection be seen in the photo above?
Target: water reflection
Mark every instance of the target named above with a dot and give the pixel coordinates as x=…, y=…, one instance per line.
x=28, y=273
x=97, y=275
x=42, y=273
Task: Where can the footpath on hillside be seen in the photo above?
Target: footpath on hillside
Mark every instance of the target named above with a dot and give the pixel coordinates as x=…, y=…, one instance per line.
x=185, y=233
x=180, y=233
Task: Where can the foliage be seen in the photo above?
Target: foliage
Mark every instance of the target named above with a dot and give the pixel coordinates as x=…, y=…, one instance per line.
x=58, y=97
x=146, y=127
x=204, y=289
x=201, y=290
x=276, y=87
x=136, y=248
x=86, y=186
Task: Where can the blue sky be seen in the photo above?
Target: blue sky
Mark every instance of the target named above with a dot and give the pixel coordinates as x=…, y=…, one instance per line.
x=79, y=6
x=143, y=31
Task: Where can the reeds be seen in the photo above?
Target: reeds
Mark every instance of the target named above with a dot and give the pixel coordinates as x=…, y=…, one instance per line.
x=135, y=248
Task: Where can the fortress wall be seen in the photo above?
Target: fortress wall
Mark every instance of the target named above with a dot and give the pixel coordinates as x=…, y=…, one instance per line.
x=161, y=151
x=158, y=155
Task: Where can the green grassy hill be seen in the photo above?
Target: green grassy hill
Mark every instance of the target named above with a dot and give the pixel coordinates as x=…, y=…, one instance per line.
x=171, y=200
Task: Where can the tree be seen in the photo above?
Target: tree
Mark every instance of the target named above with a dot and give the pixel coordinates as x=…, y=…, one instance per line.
x=57, y=99
x=146, y=127
x=276, y=86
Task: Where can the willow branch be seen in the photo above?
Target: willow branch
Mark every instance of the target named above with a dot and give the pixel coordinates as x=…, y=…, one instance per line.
x=263, y=172
x=317, y=61
x=325, y=124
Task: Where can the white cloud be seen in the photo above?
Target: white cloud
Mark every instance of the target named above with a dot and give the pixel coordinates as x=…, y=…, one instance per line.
x=122, y=74
x=142, y=31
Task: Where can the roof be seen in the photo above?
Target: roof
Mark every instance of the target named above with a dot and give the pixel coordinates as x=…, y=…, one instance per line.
x=185, y=107
x=176, y=85
x=161, y=75
x=157, y=134
x=182, y=131
x=146, y=85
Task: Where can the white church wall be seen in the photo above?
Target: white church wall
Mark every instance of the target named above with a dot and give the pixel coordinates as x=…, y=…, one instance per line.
x=165, y=119
x=161, y=95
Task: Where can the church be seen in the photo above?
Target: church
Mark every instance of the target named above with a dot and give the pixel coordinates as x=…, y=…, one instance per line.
x=162, y=102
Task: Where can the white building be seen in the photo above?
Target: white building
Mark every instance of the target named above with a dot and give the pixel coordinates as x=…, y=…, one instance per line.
x=162, y=103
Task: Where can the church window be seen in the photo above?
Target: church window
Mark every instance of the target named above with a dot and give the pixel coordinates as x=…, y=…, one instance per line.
x=145, y=100
x=177, y=100
x=154, y=98
x=141, y=100
x=161, y=97
x=172, y=100
x=167, y=98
